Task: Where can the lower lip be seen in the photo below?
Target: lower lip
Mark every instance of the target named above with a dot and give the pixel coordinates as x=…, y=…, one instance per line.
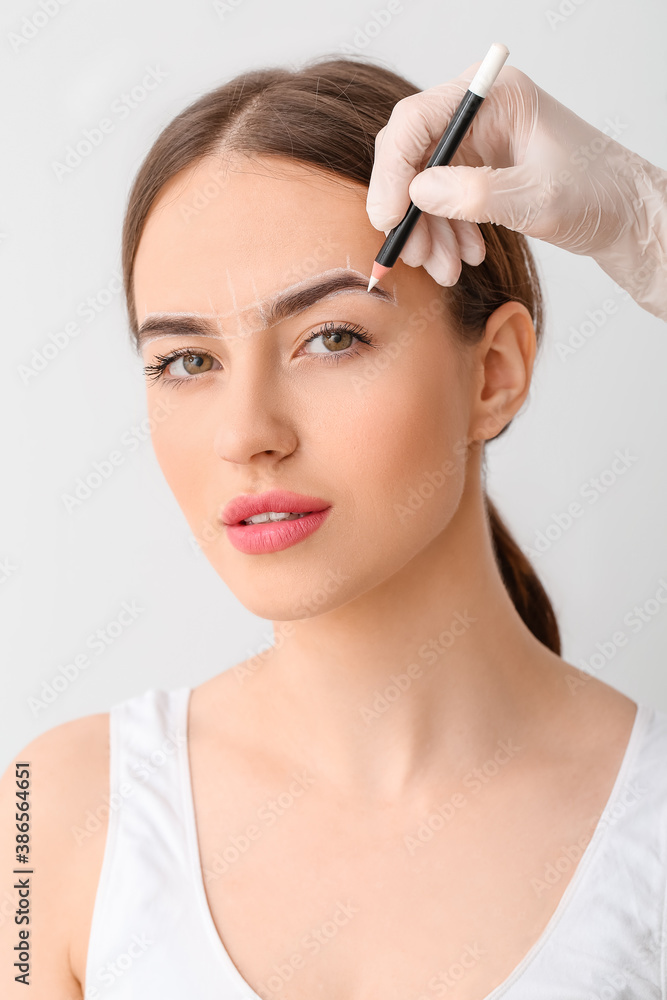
x=272, y=536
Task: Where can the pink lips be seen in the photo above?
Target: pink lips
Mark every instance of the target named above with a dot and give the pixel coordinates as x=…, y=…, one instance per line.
x=272, y=536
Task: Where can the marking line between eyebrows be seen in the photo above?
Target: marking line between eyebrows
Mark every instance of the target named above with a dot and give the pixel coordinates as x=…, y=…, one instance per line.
x=284, y=306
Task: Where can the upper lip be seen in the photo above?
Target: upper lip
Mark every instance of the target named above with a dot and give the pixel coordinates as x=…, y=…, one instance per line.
x=281, y=501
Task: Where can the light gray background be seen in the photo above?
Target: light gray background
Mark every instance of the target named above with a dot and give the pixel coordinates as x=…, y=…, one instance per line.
x=67, y=574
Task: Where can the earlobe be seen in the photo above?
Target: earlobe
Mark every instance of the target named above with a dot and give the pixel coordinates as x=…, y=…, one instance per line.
x=504, y=364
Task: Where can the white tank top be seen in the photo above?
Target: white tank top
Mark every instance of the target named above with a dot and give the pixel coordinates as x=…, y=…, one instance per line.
x=153, y=935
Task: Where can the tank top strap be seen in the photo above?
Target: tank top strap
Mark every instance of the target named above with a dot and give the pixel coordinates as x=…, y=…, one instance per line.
x=149, y=736
x=141, y=911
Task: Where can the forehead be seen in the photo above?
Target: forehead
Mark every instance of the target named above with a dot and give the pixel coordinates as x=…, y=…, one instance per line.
x=229, y=232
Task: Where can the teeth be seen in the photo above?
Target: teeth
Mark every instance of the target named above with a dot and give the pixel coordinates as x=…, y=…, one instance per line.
x=272, y=516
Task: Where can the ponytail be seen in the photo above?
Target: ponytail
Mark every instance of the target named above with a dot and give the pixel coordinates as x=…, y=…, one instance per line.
x=527, y=593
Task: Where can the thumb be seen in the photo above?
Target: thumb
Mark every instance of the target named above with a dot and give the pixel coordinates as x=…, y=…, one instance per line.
x=506, y=196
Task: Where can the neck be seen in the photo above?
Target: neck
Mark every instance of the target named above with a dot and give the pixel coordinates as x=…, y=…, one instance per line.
x=421, y=676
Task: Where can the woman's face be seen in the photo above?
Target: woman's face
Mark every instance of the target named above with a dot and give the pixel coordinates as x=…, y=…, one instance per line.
x=378, y=432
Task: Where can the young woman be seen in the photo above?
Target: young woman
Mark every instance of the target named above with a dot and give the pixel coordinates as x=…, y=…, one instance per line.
x=411, y=794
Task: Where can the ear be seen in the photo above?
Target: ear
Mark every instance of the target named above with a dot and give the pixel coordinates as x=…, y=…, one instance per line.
x=503, y=363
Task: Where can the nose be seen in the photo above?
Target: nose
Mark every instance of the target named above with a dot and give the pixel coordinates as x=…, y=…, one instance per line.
x=256, y=413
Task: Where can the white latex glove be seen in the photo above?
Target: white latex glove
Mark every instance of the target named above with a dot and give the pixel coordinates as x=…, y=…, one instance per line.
x=527, y=163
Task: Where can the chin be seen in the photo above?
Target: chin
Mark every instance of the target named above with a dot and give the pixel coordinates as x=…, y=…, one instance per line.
x=281, y=594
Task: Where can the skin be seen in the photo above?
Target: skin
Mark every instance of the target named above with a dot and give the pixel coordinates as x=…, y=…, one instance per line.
x=351, y=606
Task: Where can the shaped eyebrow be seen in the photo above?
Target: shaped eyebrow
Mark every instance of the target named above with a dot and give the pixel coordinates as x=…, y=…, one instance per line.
x=291, y=301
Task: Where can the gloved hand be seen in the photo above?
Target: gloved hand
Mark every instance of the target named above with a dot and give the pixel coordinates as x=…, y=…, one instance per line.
x=527, y=163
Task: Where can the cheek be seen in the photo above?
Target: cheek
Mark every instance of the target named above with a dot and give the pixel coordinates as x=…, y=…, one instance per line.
x=184, y=452
x=399, y=449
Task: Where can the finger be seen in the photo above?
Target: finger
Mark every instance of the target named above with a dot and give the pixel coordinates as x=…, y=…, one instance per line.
x=444, y=262
x=403, y=146
x=472, y=248
x=507, y=196
x=417, y=247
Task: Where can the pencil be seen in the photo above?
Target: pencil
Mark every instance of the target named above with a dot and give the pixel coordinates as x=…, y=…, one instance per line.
x=452, y=137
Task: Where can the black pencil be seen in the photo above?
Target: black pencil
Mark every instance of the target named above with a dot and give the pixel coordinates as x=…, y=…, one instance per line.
x=454, y=133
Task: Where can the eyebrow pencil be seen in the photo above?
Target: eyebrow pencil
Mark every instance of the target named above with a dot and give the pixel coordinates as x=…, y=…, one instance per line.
x=452, y=137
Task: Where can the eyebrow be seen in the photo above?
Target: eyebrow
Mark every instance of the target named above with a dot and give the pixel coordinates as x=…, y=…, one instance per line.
x=287, y=304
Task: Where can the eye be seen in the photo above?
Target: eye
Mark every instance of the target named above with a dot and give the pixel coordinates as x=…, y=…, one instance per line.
x=194, y=363
x=337, y=338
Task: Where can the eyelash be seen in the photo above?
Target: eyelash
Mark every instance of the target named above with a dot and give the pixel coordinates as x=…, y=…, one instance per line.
x=155, y=371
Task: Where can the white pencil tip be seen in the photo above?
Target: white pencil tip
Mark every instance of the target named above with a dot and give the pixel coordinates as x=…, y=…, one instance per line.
x=372, y=283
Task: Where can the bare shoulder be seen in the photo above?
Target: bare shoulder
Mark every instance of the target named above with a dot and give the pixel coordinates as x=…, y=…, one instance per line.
x=48, y=794
x=585, y=729
x=605, y=709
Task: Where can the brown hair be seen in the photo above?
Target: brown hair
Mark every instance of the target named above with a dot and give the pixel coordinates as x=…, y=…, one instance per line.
x=327, y=114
